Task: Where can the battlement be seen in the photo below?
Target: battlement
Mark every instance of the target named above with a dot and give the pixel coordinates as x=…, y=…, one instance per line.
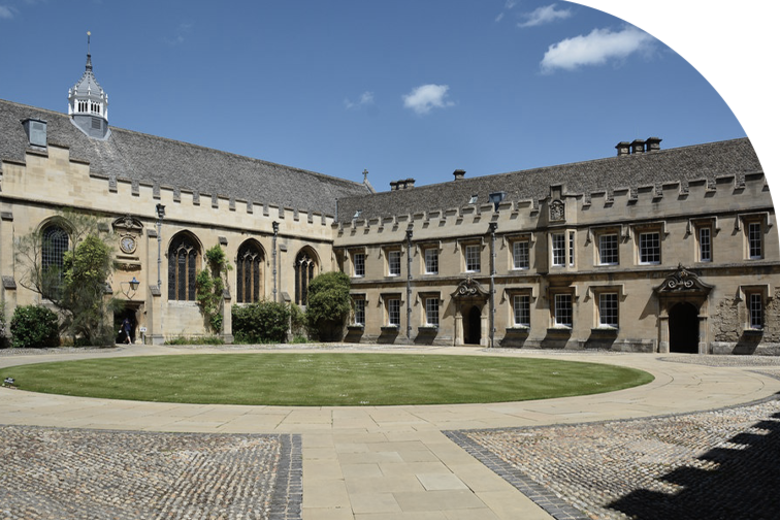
x=664, y=200
x=60, y=181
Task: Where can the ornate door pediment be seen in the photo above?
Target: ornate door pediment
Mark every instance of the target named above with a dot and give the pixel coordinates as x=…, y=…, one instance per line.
x=470, y=289
x=683, y=282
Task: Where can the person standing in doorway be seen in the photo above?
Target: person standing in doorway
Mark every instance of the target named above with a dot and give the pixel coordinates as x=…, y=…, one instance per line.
x=126, y=328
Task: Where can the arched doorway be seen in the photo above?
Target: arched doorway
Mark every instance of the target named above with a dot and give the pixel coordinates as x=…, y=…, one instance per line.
x=473, y=333
x=684, y=328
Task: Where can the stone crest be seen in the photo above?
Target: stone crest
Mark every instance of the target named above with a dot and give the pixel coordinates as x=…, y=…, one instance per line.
x=557, y=211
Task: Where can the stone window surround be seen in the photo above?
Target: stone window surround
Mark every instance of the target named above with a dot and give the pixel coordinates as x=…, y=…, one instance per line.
x=745, y=295
x=358, y=268
x=508, y=297
x=361, y=297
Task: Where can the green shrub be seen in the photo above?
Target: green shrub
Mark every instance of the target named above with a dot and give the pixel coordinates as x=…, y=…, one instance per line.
x=329, y=305
x=34, y=326
x=3, y=327
x=261, y=322
x=196, y=340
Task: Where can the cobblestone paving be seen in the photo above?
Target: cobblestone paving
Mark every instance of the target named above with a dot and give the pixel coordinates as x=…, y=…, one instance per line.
x=48, y=473
x=722, y=464
x=728, y=361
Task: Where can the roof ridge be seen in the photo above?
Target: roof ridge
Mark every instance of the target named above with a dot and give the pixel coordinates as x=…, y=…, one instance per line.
x=194, y=145
x=488, y=176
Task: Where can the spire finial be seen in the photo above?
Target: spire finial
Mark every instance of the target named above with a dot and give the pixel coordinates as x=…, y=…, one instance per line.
x=89, y=55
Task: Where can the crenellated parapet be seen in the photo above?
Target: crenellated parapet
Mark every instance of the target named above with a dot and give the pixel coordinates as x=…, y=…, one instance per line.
x=683, y=199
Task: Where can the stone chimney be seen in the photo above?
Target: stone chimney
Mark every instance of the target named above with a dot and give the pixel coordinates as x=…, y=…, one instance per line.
x=653, y=144
x=637, y=146
x=409, y=183
x=393, y=185
x=623, y=148
x=459, y=174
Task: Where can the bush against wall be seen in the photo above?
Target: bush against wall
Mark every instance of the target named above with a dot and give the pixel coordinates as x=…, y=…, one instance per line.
x=329, y=305
x=261, y=322
x=77, y=288
x=86, y=269
x=3, y=327
x=34, y=326
x=210, y=287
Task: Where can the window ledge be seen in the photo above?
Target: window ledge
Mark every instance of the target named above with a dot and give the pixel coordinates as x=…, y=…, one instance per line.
x=559, y=329
x=428, y=328
x=605, y=330
x=390, y=328
x=519, y=329
x=356, y=327
x=753, y=332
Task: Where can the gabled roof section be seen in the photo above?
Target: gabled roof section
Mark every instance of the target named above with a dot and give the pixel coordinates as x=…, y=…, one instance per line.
x=704, y=161
x=134, y=156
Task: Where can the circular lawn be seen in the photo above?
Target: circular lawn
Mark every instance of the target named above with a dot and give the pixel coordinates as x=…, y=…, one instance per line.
x=323, y=379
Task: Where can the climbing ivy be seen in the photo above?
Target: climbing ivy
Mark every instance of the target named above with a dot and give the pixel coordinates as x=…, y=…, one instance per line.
x=210, y=287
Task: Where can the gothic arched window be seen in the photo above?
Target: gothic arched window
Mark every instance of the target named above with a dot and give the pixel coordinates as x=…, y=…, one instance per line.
x=249, y=273
x=182, y=268
x=53, y=249
x=305, y=270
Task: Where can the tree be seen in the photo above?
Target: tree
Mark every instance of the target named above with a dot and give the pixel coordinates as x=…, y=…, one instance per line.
x=86, y=270
x=77, y=287
x=210, y=287
x=329, y=305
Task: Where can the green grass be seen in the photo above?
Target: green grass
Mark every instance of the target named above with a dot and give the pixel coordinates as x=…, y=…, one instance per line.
x=323, y=379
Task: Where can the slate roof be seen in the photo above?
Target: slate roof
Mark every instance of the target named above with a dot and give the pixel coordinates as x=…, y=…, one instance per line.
x=147, y=159
x=704, y=161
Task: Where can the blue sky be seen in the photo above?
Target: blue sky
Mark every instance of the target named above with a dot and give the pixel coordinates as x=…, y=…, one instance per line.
x=405, y=89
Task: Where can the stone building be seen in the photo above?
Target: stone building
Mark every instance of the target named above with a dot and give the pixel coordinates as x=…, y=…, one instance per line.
x=273, y=221
x=649, y=250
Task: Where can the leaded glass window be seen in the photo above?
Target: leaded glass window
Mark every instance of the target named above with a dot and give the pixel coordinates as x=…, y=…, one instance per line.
x=249, y=273
x=55, y=245
x=182, y=268
x=305, y=270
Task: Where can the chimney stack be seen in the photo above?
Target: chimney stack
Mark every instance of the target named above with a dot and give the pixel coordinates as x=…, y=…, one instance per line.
x=459, y=174
x=638, y=146
x=653, y=144
x=623, y=148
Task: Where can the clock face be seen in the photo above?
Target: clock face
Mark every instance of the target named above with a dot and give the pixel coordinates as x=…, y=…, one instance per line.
x=127, y=244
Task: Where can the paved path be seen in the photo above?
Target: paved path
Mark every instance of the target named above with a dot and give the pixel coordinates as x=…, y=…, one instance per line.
x=376, y=463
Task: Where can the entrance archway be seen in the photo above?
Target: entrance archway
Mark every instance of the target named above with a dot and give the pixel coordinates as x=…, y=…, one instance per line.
x=684, y=328
x=130, y=312
x=473, y=332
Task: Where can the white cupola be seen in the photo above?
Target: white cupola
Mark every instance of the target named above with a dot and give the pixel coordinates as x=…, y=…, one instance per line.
x=88, y=103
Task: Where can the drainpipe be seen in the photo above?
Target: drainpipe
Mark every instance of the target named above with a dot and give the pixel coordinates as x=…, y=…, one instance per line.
x=273, y=254
x=409, y=283
x=492, y=229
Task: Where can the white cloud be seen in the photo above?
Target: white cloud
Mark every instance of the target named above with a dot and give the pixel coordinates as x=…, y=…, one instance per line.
x=544, y=15
x=598, y=47
x=366, y=98
x=7, y=12
x=508, y=5
x=426, y=97
x=182, y=31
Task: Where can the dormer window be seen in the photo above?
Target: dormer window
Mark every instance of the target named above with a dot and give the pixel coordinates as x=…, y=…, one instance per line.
x=36, y=132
